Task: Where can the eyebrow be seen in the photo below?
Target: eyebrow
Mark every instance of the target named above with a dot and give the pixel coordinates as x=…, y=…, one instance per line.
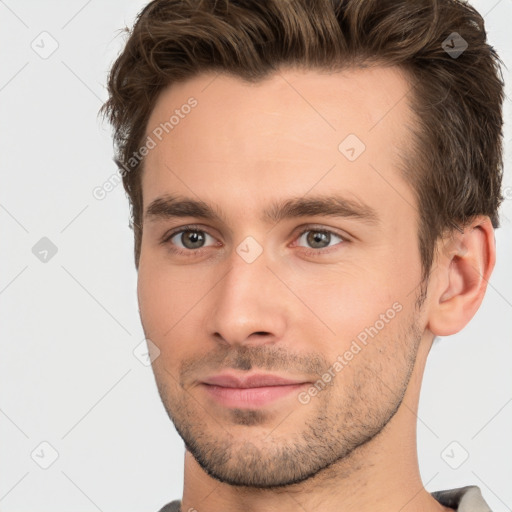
x=169, y=206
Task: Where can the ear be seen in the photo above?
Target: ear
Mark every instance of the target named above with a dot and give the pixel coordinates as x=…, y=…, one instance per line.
x=462, y=274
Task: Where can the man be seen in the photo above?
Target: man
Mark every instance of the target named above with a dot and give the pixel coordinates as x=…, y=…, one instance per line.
x=314, y=190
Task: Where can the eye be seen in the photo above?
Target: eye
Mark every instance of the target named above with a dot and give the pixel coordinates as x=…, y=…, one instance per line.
x=318, y=239
x=187, y=240
x=191, y=240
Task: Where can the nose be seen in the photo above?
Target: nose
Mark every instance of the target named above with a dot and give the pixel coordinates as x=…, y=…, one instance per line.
x=249, y=305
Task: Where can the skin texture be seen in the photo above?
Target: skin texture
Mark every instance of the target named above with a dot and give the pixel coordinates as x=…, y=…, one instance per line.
x=353, y=445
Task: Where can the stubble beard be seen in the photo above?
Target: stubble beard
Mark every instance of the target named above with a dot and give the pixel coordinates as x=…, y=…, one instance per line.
x=326, y=433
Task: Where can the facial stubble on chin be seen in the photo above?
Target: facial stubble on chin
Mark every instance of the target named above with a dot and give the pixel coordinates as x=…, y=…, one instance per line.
x=326, y=431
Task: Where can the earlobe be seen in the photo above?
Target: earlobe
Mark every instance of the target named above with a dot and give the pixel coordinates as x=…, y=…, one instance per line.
x=462, y=277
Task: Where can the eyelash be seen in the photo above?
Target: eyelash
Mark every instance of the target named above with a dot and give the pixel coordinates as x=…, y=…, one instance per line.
x=195, y=252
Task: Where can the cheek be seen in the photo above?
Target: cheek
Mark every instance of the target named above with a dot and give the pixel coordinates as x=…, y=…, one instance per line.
x=162, y=301
x=169, y=303
x=362, y=316
x=164, y=293
x=346, y=302
x=153, y=301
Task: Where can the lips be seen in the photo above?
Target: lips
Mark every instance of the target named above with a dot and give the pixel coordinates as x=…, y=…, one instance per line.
x=251, y=391
x=253, y=381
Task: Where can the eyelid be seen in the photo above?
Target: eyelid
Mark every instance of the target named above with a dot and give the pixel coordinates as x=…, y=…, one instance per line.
x=323, y=229
x=309, y=251
x=188, y=227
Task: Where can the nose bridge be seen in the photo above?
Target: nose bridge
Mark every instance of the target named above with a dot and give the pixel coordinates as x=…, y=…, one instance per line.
x=248, y=298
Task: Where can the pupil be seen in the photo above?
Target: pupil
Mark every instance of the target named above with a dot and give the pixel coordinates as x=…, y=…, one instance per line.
x=316, y=237
x=192, y=239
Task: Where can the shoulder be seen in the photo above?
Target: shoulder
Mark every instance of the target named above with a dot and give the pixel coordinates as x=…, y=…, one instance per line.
x=173, y=506
x=462, y=499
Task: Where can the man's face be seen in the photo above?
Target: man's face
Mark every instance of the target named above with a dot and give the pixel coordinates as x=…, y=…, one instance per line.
x=250, y=294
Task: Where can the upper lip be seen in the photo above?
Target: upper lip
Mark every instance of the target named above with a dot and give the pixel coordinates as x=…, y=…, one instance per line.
x=227, y=380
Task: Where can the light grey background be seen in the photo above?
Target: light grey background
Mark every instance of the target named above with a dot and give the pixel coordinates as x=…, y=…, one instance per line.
x=70, y=325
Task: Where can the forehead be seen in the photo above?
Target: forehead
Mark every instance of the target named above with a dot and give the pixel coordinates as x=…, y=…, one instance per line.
x=283, y=134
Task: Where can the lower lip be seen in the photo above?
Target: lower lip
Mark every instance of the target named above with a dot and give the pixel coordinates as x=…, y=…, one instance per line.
x=249, y=397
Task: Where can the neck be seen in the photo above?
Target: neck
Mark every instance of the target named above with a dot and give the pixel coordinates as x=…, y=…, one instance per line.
x=381, y=474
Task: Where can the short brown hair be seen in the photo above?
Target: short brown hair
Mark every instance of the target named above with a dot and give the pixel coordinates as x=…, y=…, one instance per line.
x=456, y=166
